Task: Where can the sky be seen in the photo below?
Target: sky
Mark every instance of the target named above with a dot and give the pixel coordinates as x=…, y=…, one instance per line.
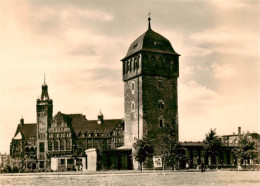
x=79, y=45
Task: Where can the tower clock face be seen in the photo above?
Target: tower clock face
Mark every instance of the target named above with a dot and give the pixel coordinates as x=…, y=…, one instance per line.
x=42, y=119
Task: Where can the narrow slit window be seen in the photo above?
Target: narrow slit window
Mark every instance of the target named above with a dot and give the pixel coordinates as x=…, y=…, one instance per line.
x=161, y=122
x=160, y=105
x=133, y=106
x=133, y=87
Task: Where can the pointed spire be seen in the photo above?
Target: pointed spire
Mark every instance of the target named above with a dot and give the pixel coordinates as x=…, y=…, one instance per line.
x=149, y=20
x=45, y=95
x=100, y=113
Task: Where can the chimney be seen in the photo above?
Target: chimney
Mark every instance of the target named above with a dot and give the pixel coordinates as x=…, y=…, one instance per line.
x=239, y=130
x=21, y=121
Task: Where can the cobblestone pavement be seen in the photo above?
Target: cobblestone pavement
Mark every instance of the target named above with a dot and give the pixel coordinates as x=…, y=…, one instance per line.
x=134, y=178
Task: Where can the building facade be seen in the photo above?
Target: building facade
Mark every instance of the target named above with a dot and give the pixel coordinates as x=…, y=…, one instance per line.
x=150, y=74
x=62, y=135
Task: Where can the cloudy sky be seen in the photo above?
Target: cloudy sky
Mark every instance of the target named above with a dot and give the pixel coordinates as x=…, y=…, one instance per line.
x=79, y=44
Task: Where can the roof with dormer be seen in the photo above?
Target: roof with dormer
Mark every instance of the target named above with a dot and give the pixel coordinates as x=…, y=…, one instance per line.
x=150, y=41
x=80, y=124
x=28, y=131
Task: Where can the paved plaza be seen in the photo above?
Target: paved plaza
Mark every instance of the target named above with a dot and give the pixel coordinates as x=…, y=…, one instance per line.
x=134, y=178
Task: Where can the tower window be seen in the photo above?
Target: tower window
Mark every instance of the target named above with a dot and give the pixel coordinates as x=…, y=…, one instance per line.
x=123, y=68
x=160, y=104
x=50, y=146
x=42, y=147
x=161, y=122
x=159, y=85
x=127, y=68
x=130, y=68
x=137, y=62
x=133, y=87
x=133, y=106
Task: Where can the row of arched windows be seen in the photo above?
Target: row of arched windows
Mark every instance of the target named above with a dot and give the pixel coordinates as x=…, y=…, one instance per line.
x=159, y=62
x=131, y=65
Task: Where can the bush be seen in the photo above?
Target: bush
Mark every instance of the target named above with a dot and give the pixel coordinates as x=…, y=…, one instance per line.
x=15, y=170
x=8, y=169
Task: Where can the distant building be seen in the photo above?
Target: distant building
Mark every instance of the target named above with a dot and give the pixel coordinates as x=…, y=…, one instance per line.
x=5, y=160
x=194, y=151
x=68, y=135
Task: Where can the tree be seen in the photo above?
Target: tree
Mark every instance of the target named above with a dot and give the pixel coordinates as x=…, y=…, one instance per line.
x=245, y=148
x=170, y=147
x=212, y=143
x=143, y=149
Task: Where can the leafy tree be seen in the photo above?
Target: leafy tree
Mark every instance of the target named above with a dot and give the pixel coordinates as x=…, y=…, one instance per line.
x=170, y=147
x=143, y=149
x=212, y=143
x=245, y=148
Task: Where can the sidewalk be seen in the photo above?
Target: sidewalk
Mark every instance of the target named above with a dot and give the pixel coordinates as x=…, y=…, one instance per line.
x=108, y=172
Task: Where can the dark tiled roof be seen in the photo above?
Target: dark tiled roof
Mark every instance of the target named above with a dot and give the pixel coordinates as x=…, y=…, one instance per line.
x=151, y=41
x=81, y=124
x=27, y=130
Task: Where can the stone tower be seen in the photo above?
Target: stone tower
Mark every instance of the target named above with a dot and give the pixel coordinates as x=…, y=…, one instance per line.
x=150, y=73
x=44, y=109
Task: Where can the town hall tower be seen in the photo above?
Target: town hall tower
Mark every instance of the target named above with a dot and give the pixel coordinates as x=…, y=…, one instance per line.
x=44, y=110
x=150, y=73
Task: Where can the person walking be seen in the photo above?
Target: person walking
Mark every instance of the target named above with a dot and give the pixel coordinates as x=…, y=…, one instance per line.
x=202, y=166
x=187, y=166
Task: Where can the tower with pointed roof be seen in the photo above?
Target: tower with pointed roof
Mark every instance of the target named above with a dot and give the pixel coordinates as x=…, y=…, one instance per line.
x=44, y=110
x=150, y=74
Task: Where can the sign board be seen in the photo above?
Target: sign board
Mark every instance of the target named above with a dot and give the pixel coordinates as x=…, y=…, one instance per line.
x=157, y=161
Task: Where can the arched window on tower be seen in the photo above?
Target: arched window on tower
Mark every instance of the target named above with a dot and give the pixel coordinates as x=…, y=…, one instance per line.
x=144, y=61
x=127, y=67
x=160, y=62
x=134, y=64
x=137, y=62
x=167, y=62
x=161, y=122
x=160, y=104
x=133, y=87
x=123, y=68
x=172, y=65
x=153, y=61
x=133, y=106
x=131, y=65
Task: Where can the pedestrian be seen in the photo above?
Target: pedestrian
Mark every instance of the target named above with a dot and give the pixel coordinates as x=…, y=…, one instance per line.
x=202, y=166
x=187, y=166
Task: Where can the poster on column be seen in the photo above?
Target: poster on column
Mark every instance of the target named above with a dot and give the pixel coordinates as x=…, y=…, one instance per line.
x=157, y=161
